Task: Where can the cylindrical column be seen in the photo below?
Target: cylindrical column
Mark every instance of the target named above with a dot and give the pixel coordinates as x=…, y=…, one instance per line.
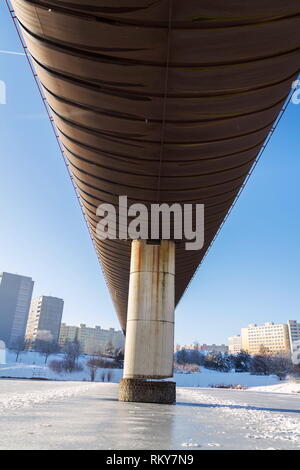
x=150, y=318
x=150, y=324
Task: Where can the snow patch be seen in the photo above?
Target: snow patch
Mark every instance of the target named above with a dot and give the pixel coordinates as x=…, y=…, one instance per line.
x=283, y=387
x=17, y=400
x=256, y=422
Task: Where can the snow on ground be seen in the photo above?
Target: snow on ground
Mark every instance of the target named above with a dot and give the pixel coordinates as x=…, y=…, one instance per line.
x=27, y=371
x=32, y=365
x=257, y=421
x=207, y=377
x=291, y=386
x=15, y=395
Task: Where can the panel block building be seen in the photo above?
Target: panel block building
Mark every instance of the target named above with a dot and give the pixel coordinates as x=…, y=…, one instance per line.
x=44, y=318
x=93, y=340
x=273, y=337
x=15, y=298
x=294, y=335
x=235, y=344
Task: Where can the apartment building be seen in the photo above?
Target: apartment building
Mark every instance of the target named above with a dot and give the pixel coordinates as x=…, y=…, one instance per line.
x=44, y=318
x=93, y=340
x=273, y=337
x=294, y=336
x=2, y=352
x=67, y=333
x=15, y=298
x=235, y=344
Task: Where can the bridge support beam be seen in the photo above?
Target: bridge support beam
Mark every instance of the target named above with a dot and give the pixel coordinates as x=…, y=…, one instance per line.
x=149, y=342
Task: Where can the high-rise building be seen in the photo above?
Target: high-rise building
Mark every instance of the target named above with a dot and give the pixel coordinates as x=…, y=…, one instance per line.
x=273, y=337
x=15, y=298
x=235, y=344
x=92, y=340
x=44, y=318
x=294, y=335
x=2, y=352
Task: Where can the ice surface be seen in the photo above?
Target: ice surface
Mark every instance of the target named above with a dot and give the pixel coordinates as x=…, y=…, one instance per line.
x=81, y=415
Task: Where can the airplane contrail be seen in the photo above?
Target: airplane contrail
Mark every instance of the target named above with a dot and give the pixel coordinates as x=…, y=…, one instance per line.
x=12, y=52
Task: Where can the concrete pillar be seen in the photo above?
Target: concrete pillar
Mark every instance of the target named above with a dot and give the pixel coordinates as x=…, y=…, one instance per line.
x=149, y=342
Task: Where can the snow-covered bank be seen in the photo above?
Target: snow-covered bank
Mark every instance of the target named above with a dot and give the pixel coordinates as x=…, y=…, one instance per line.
x=204, y=378
x=27, y=371
x=208, y=377
x=282, y=387
x=32, y=365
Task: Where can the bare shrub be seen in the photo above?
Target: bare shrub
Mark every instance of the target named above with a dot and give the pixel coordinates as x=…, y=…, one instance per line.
x=56, y=366
x=232, y=386
x=60, y=366
x=101, y=363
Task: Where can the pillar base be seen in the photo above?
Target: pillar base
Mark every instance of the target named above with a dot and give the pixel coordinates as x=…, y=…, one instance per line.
x=138, y=390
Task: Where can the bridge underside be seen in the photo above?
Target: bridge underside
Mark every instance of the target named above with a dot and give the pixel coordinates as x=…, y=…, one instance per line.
x=164, y=101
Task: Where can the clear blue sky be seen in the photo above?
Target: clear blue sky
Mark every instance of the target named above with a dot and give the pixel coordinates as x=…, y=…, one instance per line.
x=251, y=273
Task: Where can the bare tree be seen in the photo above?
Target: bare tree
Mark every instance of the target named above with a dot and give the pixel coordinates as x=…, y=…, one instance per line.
x=19, y=345
x=102, y=376
x=109, y=375
x=72, y=351
x=260, y=365
x=182, y=356
x=119, y=357
x=296, y=370
x=281, y=365
x=109, y=348
x=92, y=366
x=195, y=357
x=45, y=344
